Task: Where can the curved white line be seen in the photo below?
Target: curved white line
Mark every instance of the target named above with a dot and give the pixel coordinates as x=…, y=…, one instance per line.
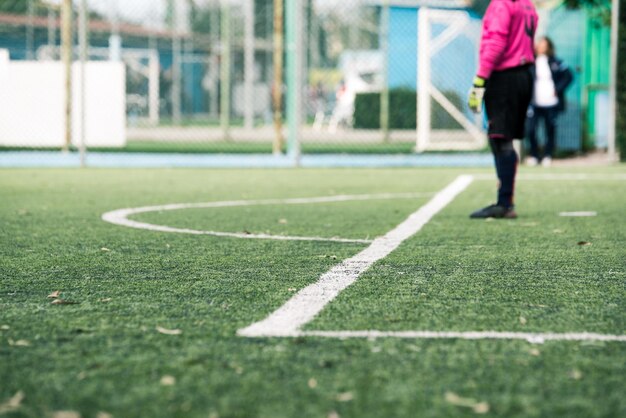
x=120, y=216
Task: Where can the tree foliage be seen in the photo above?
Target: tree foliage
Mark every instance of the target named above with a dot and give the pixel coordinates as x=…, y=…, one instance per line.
x=21, y=7
x=599, y=9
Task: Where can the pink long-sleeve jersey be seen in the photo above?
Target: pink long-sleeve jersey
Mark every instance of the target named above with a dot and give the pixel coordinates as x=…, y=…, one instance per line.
x=508, y=36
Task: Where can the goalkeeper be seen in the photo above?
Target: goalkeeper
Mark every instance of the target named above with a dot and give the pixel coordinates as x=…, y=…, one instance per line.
x=505, y=83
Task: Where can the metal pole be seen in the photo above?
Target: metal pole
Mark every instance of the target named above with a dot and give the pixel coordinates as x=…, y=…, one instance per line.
x=30, y=32
x=115, y=40
x=384, y=96
x=176, y=63
x=293, y=20
x=82, y=36
x=153, y=86
x=612, y=149
x=423, y=80
x=154, y=67
x=214, y=61
x=314, y=37
x=277, y=90
x=66, y=52
x=51, y=27
x=249, y=64
x=225, y=71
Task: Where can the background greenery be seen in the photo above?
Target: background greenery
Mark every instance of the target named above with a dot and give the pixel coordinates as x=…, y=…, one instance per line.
x=403, y=102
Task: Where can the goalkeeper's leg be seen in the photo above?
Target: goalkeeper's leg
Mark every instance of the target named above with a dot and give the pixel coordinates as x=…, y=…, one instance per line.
x=506, y=161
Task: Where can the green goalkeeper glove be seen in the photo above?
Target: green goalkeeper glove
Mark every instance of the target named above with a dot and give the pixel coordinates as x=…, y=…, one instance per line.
x=477, y=94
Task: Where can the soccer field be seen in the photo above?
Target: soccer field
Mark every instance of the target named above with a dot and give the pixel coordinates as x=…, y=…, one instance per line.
x=311, y=293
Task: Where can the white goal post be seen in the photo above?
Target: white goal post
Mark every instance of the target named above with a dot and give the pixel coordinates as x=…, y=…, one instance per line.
x=451, y=25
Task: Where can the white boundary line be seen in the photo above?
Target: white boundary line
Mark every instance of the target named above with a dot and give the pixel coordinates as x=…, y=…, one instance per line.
x=302, y=308
x=120, y=216
x=306, y=304
x=583, y=214
x=532, y=337
x=559, y=176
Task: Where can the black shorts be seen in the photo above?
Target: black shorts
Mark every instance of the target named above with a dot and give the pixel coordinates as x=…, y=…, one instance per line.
x=507, y=98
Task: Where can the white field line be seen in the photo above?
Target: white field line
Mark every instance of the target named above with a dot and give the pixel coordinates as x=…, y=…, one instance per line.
x=537, y=338
x=120, y=216
x=578, y=214
x=307, y=303
x=559, y=176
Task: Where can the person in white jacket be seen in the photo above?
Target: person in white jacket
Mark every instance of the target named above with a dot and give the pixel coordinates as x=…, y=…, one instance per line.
x=552, y=78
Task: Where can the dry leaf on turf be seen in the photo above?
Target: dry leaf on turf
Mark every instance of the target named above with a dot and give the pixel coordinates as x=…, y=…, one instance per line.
x=282, y=221
x=312, y=383
x=168, y=331
x=19, y=343
x=333, y=414
x=66, y=414
x=481, y=408
x=168, y=380
x=522, y=320
x=63, y=302
x=54, y=295
x=345, y=397
x=12, y=404
x=105, y=249
x=575, y=374
x=584, y=243
x=477, y=407
x=103, y=414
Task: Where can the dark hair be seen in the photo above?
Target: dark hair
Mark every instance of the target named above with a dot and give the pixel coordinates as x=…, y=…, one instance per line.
x=551, y=49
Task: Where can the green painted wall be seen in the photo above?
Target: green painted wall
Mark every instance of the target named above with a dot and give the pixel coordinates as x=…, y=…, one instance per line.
x=596, y=69
x=621, y=83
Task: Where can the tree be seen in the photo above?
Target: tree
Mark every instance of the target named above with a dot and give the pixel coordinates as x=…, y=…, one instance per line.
x=599, y=9
x=21, y=7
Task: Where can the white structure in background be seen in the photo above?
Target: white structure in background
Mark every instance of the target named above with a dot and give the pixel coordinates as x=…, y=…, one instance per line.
x=250, y=101
x=362, y=73
x=32, y=103
x=457, y=23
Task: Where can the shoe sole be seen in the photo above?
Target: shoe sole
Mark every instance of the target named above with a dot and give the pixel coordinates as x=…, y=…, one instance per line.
x=510, y=215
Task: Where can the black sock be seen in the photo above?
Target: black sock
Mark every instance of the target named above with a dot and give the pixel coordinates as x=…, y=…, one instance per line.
x=506, y=167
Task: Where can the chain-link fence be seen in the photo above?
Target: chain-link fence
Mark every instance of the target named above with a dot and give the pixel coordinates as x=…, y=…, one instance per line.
x=245, y=76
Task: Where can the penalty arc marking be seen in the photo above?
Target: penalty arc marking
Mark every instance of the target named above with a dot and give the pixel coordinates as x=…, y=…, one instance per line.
x=121, y=216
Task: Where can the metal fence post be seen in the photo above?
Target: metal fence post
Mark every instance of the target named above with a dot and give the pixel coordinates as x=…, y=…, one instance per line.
x=612, y=134
x=384, y=96
x=249, y=64
x=83, y=40
x=66, y=52
x=277, y=89
x=225, y=70
x=294, y=38
x=423, y=79
x=176, y=64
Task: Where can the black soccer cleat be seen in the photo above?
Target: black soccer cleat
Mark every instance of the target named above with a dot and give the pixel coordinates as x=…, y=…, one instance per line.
x=494, y=211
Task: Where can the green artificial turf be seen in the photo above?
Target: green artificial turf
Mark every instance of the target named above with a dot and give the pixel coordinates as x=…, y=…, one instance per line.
x=104, y=354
